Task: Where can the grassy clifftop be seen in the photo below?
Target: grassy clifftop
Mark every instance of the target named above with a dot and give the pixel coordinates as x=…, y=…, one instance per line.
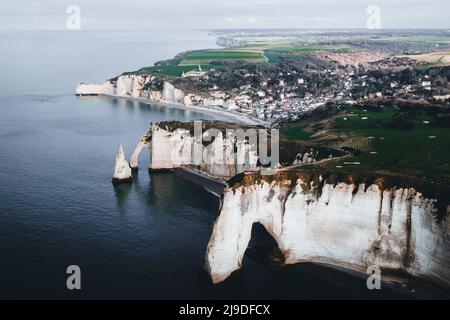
x=190, y=60
x=408, y=140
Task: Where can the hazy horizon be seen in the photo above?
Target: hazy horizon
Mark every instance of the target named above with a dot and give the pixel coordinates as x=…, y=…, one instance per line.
x=223, y=14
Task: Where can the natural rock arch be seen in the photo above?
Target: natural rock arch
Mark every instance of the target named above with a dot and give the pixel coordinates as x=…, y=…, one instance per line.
x=263, y=248
x=232, y=233
x=346, y=225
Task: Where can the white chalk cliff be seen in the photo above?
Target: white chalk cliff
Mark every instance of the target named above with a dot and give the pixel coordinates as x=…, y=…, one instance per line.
x=172, y=148
x=138, y=86
x=176, y=148
x=220, y=152
x=172, y=94
x=131, y=85
x=95, y=89
x=122, y=170
x=125, y=85
x=394, y=228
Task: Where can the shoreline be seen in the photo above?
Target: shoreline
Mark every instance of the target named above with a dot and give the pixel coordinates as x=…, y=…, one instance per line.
x=206, y=110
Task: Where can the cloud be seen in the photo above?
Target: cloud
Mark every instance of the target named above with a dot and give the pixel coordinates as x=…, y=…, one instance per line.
x=242, y=19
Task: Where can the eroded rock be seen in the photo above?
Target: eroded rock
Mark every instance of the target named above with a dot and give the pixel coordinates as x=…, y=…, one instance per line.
x=122, y=170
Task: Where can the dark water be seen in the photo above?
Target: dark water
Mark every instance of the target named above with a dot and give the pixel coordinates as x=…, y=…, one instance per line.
x=58, y=206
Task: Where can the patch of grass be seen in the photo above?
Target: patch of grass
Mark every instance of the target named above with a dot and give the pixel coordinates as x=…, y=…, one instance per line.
x=311, y=48
x=173, y=70
x=277, y=54
x=421, y=151
x=360, y=119
x=296, y=133
x=173, y=67
x=202, y=57
x=411, y=153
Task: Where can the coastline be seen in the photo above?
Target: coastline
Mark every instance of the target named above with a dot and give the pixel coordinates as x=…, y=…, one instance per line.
x=225, y=115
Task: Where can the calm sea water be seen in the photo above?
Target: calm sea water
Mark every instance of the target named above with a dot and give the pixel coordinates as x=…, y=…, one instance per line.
x=58, y=206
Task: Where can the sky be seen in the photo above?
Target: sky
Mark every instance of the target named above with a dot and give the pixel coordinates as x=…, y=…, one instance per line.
x=218, y=14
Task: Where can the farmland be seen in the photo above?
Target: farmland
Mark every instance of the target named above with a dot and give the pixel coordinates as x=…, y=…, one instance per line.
x=205, y=57
x=275, y=55
x=296, y=133
x=172, y=69
x=189, y=61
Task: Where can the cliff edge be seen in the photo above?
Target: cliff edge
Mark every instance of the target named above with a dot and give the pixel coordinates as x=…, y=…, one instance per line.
x=343, y=220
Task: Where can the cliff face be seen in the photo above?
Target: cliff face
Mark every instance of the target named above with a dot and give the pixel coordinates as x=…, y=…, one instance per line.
x=130, y=85
x=134, y=86
x=172, y=94
x=173, y=144
x=354, y=225
x=155, y=89
x=173, y=148
x=127, y=85
x=95, y=89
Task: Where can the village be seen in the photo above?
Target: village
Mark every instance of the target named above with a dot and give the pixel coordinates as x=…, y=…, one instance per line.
x=283, y=92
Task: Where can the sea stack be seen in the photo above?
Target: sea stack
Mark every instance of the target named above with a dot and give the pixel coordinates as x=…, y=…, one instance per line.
x=122, y=170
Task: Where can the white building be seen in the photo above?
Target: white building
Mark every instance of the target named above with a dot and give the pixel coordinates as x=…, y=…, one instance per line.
x=194, y=73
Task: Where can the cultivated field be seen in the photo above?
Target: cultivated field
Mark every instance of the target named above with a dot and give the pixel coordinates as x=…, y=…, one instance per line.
x=204, y=57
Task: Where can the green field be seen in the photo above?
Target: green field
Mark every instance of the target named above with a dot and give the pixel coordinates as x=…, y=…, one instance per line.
x=275, y=55
x=173, y=70
x=312, y=48
x=191, y=60
x=204, y=57
x=264, y=51
x=296, y=133
x=420, y=150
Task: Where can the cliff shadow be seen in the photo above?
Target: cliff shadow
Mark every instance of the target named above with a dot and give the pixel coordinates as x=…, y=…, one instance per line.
x=263, y=248
x=167, y=185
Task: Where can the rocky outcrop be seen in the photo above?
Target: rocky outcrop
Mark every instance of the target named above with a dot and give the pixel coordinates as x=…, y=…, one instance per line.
x=122, y=170
x=175, y=144
x=217, y=149
x=135, y=86
x=156, y=96
x=131, y=85
x=172, y=94
x=154, y=89
x=125, y=85
x=348, y=222
x=95, y=89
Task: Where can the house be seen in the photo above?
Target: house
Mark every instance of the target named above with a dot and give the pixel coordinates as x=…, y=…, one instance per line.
x=194, y=73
